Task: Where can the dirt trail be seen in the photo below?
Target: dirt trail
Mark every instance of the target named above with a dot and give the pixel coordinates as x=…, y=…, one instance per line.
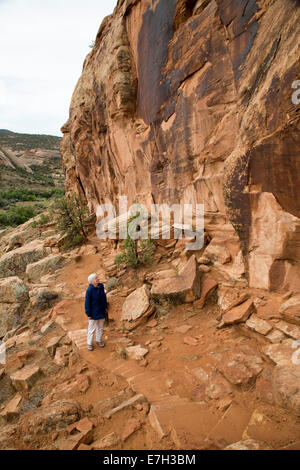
x=192, y=403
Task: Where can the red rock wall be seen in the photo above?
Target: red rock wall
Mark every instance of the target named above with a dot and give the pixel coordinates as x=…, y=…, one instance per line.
x=191, y=101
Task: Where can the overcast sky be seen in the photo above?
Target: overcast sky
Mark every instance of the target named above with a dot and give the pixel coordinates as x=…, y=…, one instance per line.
x=43, y=44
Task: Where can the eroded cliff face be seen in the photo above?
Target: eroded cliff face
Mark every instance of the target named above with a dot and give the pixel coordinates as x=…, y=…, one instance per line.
x=191, y=101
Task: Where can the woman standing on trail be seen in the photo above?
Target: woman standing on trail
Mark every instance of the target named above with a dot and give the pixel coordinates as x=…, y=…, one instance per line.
x=96, y=310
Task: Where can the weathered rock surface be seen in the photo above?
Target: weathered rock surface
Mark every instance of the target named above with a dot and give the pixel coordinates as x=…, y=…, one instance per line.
x=111, y=440
x=136, y=305
x=240, y=365
x=136, y=352
x=286, y=386
x=13, y=290
x=10, y=315
x=202, y=109
x=290, y=310
x=208, y=286
x=281, y=353
x=238, y=314
x=248, y=444
x=185, y=287
x=52, y=418
x=42, y=297
x=15, y=262
x=25, y=378
x=45, y=266
x=257, y=324
x=12, y=409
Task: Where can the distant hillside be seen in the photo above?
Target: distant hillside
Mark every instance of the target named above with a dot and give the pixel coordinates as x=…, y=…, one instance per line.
x=28, y=141
x=30, y=173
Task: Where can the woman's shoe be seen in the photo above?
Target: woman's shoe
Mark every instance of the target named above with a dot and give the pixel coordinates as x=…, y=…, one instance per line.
x=90, y=348
x=101, y=345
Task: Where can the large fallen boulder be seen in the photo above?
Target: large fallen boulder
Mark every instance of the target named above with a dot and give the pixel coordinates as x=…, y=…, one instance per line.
x=44, y=266
x=186, y=287
x=290, y=310
x=15, y=262
x=136, y=304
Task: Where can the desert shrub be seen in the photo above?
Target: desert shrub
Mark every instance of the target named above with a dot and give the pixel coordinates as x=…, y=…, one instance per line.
x=43, y=220
x=135, y=252
x=111, y=284
x=17, y=215
x=68, y=215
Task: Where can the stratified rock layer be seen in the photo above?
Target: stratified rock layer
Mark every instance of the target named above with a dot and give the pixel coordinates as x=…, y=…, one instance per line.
x=191, y=102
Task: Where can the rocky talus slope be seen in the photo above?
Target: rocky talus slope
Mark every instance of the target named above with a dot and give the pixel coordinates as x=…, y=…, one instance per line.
x=192, y=360
x=190, y=101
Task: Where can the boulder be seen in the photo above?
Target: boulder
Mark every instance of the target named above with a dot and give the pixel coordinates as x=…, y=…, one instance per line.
x=136, y=352
x=42, y=298
x=25, y=378
x=52, y=345
x=292, y=331
x=280, y=353
x=229, y=297
x=290, y=310
x=61, y=356
x=240, y=366
x=238, y=314
x=185, y=287
x=275, y=336
x=286, y=386
x=53, y=417
x=208, y=286
x=15, y=262
x=44, y=266
x=13, y=290
x=136, y=304
x=258, y=325
x=12, y=409
x=217, y=252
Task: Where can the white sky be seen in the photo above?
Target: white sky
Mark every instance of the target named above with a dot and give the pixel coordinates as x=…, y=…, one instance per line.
x=43, y=44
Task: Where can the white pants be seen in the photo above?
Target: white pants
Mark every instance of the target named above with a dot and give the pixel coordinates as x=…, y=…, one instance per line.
x=95, y=325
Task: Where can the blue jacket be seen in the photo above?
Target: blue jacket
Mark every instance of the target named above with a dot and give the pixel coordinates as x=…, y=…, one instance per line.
x=95, y=302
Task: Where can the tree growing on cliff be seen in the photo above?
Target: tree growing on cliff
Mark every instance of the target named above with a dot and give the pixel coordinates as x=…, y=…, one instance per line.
x=69, y=213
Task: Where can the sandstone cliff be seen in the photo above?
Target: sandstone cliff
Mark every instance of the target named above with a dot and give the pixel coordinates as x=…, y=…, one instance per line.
x=191, y=101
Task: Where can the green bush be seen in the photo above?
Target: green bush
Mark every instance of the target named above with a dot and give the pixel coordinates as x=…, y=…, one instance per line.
x=17, y=216
x=43, y=220
x=68, y=215
x=135, y=252
x=15, y=195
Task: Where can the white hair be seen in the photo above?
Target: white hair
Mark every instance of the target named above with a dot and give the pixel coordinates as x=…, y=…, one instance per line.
x=91, y=278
